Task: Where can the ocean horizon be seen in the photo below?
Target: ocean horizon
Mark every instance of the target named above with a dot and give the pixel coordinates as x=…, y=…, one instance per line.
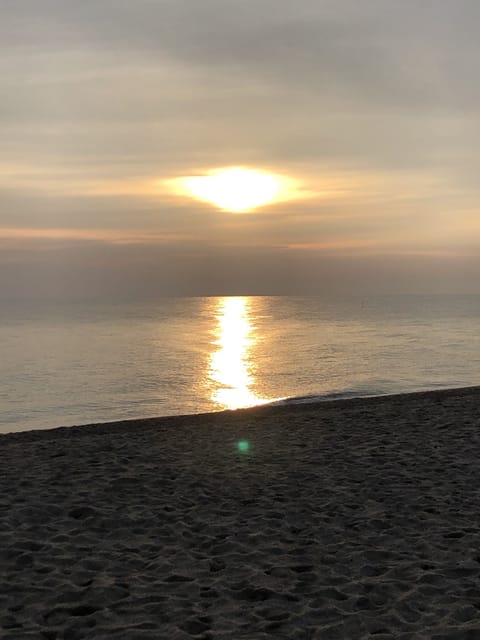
x=66, y=364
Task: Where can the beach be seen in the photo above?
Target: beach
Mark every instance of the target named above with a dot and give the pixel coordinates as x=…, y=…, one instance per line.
x=348, y=519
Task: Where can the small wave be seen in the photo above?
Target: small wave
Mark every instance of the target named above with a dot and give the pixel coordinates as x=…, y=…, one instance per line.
x=325, y=397
x=360, y=393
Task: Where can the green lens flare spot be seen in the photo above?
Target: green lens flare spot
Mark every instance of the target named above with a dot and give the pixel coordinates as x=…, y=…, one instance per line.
x=243, y=446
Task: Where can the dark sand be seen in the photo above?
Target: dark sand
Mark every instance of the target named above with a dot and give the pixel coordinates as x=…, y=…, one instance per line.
x=352, y=519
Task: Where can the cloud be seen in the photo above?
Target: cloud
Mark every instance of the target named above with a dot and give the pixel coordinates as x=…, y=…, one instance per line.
x=113, y=273
x=374, y=102
x=384, y=52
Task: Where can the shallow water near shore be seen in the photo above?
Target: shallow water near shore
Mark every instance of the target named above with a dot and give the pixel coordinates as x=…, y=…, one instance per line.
x=65, y=364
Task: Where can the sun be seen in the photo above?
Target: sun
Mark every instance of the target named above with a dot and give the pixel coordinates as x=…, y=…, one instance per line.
x=235, y=189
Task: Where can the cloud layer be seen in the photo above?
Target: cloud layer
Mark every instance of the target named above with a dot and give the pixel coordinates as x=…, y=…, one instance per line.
x=373, y=105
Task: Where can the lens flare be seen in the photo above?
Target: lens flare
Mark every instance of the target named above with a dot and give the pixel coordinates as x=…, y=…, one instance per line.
x=243, y=446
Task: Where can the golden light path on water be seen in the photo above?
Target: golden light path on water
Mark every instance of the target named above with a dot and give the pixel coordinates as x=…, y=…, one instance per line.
x=232, y=364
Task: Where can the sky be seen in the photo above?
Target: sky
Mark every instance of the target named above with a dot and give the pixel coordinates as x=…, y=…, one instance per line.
x=371, y=108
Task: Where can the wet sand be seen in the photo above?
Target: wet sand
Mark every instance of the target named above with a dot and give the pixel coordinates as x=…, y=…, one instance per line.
x=348, y=519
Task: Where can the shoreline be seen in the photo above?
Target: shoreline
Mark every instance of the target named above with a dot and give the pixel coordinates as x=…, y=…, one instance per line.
x=293, y=401
x=345, y=519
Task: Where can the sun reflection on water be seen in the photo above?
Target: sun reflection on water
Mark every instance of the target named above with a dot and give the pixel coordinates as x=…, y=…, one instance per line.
x=232, y=364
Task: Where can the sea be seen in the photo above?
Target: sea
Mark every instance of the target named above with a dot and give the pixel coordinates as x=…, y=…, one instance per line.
x=64, y=364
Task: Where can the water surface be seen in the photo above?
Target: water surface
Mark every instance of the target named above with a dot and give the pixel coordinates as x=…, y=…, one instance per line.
x=73, y=364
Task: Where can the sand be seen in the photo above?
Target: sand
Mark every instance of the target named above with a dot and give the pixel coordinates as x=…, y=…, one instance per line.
x=352, y=519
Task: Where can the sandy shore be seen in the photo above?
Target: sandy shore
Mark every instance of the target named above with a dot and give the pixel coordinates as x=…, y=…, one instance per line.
x=352, y=519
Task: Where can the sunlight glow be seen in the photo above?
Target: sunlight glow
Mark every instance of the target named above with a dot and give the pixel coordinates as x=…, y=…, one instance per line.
x=236, y=189
x=231, y=365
